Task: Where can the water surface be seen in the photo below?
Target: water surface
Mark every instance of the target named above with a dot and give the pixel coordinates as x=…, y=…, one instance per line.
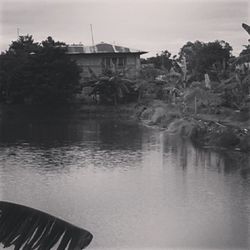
x=132, y=187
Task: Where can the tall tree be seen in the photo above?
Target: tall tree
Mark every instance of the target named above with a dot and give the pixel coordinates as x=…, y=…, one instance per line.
x=37, y=73
x=161, y=61
x=201, y=57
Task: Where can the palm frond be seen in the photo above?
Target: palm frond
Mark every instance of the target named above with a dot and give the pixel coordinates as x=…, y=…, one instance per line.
x=242, y=59
x=27, y=228
x=246, y=28
x=92, y=73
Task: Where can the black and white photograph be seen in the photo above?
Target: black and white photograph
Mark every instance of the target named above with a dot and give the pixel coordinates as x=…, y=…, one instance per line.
x=125, y=124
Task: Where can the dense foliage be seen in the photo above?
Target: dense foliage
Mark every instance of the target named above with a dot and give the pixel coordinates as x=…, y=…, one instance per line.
x=160, y=61
x=37, y=73
x=204, y=75
x=204, y=57
x=111, y=88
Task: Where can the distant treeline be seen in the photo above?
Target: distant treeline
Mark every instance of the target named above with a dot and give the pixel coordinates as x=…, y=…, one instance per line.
x=39, y=73
x=201, y=57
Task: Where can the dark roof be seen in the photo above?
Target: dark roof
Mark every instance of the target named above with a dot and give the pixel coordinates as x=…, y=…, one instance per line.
x=100, y=48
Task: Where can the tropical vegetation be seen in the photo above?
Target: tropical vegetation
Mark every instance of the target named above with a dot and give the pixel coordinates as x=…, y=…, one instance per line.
x=28, y=228
x=37, y=73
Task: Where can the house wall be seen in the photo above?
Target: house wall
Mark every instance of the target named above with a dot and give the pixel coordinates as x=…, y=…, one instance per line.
x=88, y=61
x=95, y=62
x=133, y=65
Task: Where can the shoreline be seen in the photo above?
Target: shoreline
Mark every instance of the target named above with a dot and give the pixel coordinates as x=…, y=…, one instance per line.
x=216, y=131
x=219, y=132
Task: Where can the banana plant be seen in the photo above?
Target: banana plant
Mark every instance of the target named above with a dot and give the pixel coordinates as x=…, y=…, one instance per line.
x=246, y=57
x=111, y=88
x=27, y=228
x=242, y=59
x=246, y=28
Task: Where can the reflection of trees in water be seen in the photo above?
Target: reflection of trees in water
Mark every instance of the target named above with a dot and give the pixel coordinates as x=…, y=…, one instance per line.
x=178, y=147
x=51, y=159
x=57, y=142
x=221, y=161
x=118, y=134
x=221, y=177
x=235, y=161
x=65, y=126
x=50, y=130
x=46, y=130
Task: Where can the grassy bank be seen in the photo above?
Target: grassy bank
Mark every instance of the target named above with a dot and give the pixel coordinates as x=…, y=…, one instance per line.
x=229, y=129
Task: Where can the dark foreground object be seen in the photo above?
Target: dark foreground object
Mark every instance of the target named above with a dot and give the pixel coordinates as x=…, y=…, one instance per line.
x=27, y=228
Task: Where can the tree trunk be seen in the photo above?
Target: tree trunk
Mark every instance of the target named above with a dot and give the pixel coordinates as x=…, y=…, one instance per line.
x=195, y=105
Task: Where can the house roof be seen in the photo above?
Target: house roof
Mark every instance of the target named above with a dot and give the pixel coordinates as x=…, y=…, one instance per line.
x=100, y=48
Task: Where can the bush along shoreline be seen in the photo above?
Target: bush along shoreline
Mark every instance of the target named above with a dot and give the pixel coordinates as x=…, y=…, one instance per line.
x=214, y=131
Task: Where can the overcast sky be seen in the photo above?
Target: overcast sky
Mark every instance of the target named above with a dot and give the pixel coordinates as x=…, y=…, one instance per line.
x=150, y=25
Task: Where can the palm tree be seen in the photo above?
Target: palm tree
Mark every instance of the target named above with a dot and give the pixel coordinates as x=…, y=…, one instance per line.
x=246, y=28
x=27, y=228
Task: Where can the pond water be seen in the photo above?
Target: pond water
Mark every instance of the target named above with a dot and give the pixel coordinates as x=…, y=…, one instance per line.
x=132, y=187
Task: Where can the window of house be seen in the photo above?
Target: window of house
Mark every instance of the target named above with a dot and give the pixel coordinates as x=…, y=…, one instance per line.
x=118, y=62
x=107, y=62
x=121, y=62
x=114, y=60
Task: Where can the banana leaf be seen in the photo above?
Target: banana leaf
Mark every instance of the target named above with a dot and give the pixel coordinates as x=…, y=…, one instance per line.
x=242, y=59
x=27, y=228
x=246, y=28
x=92, y=73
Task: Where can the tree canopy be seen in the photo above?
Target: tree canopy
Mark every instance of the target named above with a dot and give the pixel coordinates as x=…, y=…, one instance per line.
x=201, y=57
x=37, y=72
x=160, y=61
